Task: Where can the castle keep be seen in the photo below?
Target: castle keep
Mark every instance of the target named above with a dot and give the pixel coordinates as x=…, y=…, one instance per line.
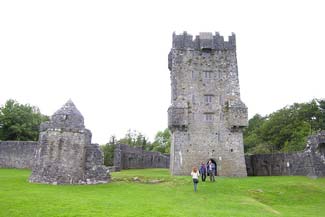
x=206, y=116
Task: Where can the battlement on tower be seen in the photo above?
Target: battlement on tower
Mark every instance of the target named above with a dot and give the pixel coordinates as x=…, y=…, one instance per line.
x=203, y=41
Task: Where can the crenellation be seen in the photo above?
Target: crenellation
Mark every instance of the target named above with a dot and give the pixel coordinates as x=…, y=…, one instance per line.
x=205, y=41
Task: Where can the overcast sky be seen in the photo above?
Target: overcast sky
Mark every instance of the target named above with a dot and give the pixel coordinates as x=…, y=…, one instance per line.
x=110, y=57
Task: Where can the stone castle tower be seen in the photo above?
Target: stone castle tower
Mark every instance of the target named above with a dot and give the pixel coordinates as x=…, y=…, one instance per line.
x=206, y=116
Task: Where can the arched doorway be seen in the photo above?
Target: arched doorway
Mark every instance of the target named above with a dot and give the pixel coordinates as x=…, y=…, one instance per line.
x=215, y=165
x=321, y=148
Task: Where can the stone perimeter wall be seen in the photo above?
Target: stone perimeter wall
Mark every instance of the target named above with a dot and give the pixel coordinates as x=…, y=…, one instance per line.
x=20, y=154
x=126, y=157
x=17, y=154
x=291, y=164
x=310, y=162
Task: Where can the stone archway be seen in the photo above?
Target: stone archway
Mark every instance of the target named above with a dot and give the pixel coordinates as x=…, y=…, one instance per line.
x=321, y=148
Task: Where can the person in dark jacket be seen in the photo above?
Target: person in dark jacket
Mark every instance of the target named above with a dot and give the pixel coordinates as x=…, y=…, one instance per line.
x=211, y=170
x=203, y=171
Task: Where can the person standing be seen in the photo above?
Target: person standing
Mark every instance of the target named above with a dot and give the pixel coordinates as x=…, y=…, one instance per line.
x=211, y=169
x=195, y=176
x=203, y=171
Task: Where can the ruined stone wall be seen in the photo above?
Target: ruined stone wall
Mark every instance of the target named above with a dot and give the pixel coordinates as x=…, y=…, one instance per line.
x=310, y=162
x=65, y=154
x=94, y=165
x=126, y=157
x=292, y=164
x=206, y=115
x=60, y=157
x=278, y=164
x=17, y=154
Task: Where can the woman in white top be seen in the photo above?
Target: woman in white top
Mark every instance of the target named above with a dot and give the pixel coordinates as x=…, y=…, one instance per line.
x=195, y=176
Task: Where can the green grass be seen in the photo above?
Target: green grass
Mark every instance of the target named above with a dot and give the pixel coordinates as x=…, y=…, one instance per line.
x=156, y=193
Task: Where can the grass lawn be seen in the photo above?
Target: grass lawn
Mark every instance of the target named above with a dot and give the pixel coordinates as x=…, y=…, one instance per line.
x=156, y=193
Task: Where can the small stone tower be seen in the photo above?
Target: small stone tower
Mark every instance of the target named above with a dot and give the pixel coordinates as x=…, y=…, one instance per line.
x=206, y=116
x=64, y=154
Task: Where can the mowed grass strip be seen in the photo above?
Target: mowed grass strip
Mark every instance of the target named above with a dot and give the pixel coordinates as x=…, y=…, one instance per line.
x=153, y=192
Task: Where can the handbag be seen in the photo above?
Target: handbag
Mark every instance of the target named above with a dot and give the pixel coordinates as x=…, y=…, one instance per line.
x=196, y=180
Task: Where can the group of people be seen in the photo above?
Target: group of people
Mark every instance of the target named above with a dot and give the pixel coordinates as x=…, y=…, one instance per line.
x=205, y=170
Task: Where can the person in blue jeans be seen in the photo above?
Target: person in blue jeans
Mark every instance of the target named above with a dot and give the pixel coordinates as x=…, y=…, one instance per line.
x=195, y=176
x=211, y=169
x=203, y=171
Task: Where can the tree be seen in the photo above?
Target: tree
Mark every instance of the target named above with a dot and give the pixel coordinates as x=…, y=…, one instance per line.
x=108, y=151
x=162, y=142
x=252, y=134
x=285, y=130
x=321, y=105
x=20, y=122
x=136, y=139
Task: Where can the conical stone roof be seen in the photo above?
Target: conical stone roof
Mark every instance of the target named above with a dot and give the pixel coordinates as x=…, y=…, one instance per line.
x=68, y=117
